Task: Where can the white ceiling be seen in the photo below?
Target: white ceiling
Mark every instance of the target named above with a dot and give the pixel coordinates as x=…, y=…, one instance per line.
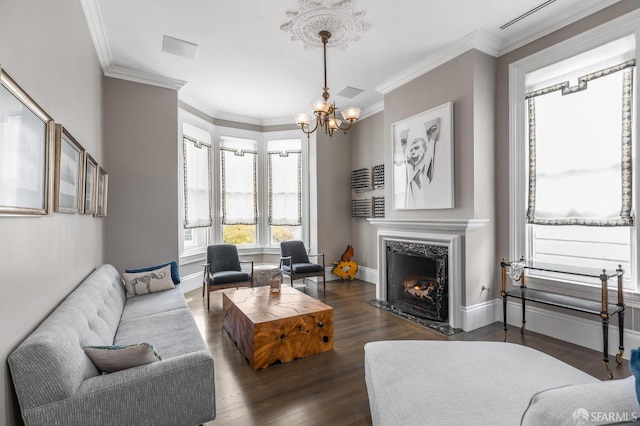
x=247, y=68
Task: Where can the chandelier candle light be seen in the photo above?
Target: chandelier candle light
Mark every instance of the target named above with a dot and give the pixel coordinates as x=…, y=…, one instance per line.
x=325, y=111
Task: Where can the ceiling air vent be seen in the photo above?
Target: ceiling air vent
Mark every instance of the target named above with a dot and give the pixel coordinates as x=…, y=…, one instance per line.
x=349, y=92
x=524, y=15
x=179, y=47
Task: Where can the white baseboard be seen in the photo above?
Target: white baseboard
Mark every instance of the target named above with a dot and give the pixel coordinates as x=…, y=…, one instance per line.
x=479, y=315
x=191, y=282
x=369, y=275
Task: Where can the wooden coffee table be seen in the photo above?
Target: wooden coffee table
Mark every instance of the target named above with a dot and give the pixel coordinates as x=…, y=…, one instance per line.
x=270, y=327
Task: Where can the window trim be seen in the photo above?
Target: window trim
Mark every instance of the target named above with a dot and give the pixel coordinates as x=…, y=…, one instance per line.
x=610, y=31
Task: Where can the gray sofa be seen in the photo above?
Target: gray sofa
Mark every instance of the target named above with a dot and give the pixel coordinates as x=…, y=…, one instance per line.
x=57, y=384
x=487, y=383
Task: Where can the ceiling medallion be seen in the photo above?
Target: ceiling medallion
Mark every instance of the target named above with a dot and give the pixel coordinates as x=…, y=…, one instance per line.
x=314, y=16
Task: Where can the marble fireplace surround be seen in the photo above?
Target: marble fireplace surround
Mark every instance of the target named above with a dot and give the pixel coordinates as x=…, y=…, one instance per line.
x=440, y=232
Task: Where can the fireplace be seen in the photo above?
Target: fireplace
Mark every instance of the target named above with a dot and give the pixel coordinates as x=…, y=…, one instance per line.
x=417, y=279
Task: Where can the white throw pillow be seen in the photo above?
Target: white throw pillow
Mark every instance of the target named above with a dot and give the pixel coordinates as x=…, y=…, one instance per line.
x=148, y=282
x=115, y=358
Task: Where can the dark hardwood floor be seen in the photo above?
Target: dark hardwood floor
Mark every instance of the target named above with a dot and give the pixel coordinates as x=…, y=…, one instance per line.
x=329, y=388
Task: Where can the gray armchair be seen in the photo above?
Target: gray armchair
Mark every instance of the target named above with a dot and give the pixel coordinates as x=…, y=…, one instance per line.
x=223, y=270
x=295, y=263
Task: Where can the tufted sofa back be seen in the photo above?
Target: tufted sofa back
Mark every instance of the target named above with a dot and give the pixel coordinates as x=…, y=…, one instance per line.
x=50, y=364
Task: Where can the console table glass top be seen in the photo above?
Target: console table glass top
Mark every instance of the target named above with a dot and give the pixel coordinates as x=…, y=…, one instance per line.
x=567, y=269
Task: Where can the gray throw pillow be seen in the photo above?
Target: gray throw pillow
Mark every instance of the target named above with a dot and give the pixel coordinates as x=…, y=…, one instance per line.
x=115, y=358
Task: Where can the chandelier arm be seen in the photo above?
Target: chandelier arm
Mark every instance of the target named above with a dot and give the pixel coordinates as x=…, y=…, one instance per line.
x=345, y=128
x=308, y=132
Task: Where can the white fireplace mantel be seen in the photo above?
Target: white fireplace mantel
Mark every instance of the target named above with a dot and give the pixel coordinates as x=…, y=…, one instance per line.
x=428, y=231
x=431, y=224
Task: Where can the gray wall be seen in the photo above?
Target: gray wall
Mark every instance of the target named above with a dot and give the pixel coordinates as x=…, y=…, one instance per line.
x=452, y=81
x=367, y=150
x=43, y=259
x=142, y=152
x=333, y=200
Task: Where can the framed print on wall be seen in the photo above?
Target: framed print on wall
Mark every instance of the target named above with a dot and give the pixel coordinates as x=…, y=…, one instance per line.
x=90, y=178
x=68, y=175
x=101, y=197
x=422, y=175
x=26, y=134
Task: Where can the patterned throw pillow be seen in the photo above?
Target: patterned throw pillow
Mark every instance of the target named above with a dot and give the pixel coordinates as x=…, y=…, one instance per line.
x=148, y=282
x=175, y=274
x=115, y=358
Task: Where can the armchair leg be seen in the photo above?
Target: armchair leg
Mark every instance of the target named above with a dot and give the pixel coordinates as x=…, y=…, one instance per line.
x=208, y=296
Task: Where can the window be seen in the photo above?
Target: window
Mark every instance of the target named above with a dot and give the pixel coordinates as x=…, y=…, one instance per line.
x=196, y=214
x=240, y=187
x=571, y=156
x=285, y=196
x=238, y=166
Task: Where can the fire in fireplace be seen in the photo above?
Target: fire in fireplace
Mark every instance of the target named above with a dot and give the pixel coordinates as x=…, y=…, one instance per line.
x=417, y=279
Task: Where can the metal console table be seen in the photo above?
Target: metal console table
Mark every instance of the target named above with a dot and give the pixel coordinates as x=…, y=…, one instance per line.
x=602, y=307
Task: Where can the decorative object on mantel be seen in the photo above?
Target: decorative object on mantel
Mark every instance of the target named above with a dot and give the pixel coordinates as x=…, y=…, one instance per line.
x=346, y=268
x=423, y=160
x=316, y=23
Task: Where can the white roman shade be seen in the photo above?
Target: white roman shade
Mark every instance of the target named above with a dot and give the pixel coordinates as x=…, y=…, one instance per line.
x=579, y=141
x=197, y=183
x=285, y=198
x=239, y=186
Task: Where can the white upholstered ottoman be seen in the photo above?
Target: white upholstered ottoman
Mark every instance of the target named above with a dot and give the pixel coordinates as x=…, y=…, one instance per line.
x=485, y=383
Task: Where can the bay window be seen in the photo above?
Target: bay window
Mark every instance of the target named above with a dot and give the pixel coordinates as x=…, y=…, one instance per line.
x=240, y=187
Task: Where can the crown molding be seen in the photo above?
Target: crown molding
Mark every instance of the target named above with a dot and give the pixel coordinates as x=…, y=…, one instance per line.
x=143, y=77
x=98, y=35
x=371, y=110
x=569, y=18
x=96, y=29
x=220, y=115
x=479, y=40
x=197, y=104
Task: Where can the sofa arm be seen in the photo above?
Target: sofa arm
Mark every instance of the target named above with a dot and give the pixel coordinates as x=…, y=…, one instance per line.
x=177, y=391
x=607, y=402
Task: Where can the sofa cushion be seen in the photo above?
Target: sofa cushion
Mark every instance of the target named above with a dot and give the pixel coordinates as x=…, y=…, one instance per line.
x=175, y=275
x=173, y=333
x=115, y=358
x=607, y=402
x=153, y=303
x=138, y=283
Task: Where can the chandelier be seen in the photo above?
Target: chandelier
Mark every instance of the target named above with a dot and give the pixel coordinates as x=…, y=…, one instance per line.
x=325, y=111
